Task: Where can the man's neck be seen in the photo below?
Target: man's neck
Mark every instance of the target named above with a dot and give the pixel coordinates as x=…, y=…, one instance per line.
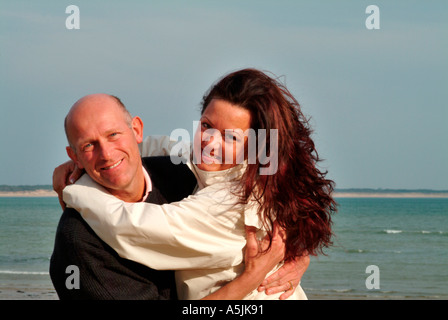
x=135, y=191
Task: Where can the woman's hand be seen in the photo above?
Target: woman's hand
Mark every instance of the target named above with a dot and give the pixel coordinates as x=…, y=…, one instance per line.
x=64, y=175
x=258, y=261
x=287, y=278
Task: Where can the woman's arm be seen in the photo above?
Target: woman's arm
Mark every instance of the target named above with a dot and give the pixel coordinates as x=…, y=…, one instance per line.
x=63, y=175
x=68, y=173
x=191, y=234
x=257, y=264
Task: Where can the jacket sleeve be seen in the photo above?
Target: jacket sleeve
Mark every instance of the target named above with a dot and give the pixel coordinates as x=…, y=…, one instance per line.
x=195, y=233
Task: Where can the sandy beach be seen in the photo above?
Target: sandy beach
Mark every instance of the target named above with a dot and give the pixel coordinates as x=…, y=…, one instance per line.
x=34, y=193
x=10, y=293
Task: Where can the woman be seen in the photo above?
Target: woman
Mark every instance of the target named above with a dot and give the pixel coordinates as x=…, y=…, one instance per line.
x=207, y=228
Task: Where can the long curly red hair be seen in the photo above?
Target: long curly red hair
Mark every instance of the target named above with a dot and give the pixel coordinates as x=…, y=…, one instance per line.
x=297, y=196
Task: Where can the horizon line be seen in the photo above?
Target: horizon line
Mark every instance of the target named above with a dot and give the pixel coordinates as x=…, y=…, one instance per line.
x=23, y=187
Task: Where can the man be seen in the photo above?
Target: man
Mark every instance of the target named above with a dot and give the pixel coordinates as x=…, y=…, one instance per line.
x=103, y=140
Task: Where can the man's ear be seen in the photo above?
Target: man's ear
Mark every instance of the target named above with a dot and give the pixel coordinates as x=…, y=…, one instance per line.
x=137, y=127
x=72, y=155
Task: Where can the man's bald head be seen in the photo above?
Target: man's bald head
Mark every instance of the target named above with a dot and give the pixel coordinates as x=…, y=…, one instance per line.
x=104, y=140
x=100, y=100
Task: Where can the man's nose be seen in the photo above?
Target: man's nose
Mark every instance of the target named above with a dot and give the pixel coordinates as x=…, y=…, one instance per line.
x=104, y=151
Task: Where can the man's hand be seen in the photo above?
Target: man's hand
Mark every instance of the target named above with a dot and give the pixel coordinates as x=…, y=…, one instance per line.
x=287, y=278
x=64, y=175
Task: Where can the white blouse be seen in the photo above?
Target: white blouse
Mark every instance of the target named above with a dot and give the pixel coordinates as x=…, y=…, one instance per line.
x=202, y=237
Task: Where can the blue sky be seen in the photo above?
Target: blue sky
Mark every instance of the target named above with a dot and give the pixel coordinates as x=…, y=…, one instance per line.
x=377, y=98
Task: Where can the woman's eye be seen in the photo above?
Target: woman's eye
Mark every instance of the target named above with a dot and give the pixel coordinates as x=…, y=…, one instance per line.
x=231, y=137
x=205, y=125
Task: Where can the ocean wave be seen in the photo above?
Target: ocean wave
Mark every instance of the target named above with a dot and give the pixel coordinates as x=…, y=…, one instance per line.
x=394, y=231
x=366, y=251
x=339, y=290
x=433, y=232
x=24, y=272
x=359, y=251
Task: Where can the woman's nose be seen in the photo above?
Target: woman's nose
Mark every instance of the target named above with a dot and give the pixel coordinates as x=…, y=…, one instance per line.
x=212, y=137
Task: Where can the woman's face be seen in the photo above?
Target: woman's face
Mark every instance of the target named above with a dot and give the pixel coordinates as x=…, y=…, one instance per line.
x=220, y=140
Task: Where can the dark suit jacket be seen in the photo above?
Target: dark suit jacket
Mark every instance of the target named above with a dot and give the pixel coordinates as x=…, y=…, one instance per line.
x=102, y=273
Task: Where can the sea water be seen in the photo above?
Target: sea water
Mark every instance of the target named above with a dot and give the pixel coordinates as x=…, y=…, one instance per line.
x=27, y=231
x=406, y=239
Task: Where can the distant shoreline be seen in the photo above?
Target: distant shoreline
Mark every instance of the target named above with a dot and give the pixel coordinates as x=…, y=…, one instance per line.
x=390, y=195
x=336, y=194
x=32, y=193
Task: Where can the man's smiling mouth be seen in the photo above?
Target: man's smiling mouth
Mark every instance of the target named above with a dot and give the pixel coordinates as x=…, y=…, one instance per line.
x=113, y=166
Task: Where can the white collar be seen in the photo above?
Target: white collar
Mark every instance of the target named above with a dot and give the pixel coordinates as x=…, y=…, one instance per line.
x=207, y=178
x=148, y=184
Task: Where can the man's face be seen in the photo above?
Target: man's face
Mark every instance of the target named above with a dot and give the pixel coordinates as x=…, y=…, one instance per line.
x=104, y=144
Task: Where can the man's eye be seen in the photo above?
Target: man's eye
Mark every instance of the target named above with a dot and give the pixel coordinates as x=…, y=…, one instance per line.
x=87, y=147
